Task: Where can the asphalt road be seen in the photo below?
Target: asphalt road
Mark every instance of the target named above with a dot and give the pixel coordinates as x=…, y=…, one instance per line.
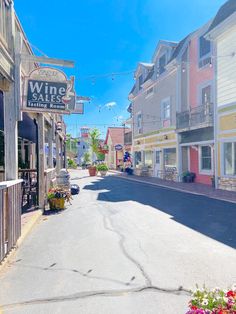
x=122, y=248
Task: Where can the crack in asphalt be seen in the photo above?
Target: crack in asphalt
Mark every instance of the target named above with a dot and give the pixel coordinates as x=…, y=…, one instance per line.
x=90, y=294
x=123, y=249
x=74, y=270
x=109, y=226
x=107, y=218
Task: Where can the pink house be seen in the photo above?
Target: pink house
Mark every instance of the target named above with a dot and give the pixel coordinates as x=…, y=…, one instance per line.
x=195, y=116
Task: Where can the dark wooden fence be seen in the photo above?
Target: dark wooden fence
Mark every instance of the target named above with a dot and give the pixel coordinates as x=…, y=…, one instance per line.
x=10, y=215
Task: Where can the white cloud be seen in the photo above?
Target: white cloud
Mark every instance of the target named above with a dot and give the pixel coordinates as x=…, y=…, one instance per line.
x=110, y=104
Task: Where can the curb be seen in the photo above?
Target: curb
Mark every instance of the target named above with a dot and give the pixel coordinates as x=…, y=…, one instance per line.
x=175, y=189
x=24, y=233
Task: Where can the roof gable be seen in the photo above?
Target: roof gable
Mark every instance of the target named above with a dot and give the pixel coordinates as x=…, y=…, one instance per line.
x=116, y=135
x=162, y=44
x=225, y=11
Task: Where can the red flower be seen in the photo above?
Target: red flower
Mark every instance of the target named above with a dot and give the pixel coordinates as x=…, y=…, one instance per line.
x=193, y=307
x=231, y=294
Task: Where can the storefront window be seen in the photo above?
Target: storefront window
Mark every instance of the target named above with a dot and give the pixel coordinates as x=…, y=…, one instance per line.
x=137, y=158
x=206, y=158
x=170, y=157
x=230, y=159
x=148, y=158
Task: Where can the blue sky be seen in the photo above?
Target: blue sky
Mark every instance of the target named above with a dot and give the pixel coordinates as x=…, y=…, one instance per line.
x=107, y=36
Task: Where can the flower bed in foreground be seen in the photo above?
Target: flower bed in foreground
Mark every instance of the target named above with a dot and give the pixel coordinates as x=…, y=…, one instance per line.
x=216, y=301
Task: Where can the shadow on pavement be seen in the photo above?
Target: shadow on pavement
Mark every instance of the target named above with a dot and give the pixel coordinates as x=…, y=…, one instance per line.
x=213, y=218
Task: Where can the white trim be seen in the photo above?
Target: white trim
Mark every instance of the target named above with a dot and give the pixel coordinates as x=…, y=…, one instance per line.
x=198, y=143
x=226, y=105
x=220, y=29
x=163, y=102
x=189, y=158
x=204, y=171
x=200, y=87
x=157, y=134
x=227, y=131
x=227, y=139
x=7, y=184
x=206, y=56
x=222, y=159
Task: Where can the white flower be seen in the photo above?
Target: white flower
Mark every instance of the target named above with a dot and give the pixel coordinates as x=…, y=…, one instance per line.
x=216, y=289
x=233, y=287
x=204, y=302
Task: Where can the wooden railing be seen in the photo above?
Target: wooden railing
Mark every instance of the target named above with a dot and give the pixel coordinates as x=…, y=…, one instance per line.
x=10, y=215
x=195, y=117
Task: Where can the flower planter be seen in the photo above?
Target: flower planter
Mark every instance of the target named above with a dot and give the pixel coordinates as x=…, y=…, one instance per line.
x=103, y=173
x=92, y=171
x=57, y=203
x=189, y=177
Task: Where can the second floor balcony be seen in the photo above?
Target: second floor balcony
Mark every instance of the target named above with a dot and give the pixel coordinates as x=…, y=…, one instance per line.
x=197, y=117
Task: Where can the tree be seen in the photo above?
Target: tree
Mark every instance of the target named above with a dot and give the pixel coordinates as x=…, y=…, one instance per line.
x=101, y=156
x=86, y=158
x=94, y=135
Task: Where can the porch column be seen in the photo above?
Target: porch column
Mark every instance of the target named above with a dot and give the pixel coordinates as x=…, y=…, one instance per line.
x=41, y=160
x=62, y=152
x=50, y=148
x=11, y=135
x=179, y=157
x=65, y=156
x=22, y=151
x=58, y=161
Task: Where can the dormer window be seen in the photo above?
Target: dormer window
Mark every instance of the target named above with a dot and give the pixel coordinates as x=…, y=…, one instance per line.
x=162, y=64
x=204, y=52
x=140, y=81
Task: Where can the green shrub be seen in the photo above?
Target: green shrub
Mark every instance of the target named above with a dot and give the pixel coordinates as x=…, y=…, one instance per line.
x=72, y=164
x=102, y=167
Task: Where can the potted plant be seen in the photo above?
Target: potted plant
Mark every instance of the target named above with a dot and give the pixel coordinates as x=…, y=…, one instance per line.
x=188, y=176
x=102, y=168
x=94, y=145
x=57, y=197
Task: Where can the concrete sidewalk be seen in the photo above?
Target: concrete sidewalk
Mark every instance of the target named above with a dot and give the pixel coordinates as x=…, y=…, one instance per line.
x=192, y=188
x=28, y=221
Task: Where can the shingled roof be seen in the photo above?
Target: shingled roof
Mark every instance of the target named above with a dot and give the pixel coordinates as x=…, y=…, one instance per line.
x=224, y=12
x=116, y=134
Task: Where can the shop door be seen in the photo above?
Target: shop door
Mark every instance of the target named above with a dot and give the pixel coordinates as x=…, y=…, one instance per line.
x=157, y=167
